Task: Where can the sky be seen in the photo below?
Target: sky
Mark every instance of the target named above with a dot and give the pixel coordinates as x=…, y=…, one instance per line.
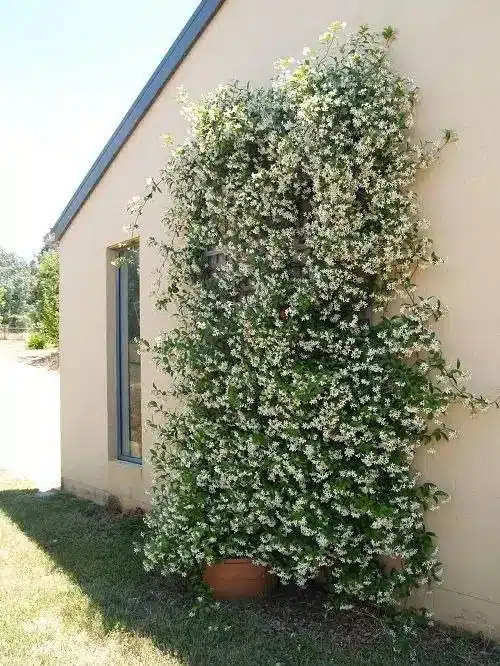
x=69, y=71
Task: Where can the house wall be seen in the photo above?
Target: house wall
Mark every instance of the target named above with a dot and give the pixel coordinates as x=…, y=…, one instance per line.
x=451, y=49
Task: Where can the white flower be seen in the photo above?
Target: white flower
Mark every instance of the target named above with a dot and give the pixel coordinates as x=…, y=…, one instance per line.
x=337, y=26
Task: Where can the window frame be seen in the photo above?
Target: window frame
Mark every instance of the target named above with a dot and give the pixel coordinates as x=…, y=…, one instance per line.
x=214, y=257
x=122, y=366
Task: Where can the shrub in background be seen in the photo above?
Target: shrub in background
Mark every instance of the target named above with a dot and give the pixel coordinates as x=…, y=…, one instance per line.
x=45, y=299
x=36, y=341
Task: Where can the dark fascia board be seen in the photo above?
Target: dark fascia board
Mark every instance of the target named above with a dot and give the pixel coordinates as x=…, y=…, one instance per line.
x=201, y=17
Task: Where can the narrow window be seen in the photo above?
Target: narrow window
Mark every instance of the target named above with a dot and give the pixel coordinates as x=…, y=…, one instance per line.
x=128, y=359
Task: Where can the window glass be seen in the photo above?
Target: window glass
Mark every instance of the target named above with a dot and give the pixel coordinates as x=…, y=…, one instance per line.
x=129, y=360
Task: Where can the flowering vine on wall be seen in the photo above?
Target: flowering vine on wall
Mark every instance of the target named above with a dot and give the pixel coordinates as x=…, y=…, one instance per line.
x=305, y=367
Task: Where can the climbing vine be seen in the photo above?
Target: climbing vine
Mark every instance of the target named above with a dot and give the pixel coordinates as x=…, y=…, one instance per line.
x=305, y=368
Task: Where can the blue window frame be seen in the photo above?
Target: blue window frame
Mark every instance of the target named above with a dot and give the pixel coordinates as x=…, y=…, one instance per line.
x=128, y=358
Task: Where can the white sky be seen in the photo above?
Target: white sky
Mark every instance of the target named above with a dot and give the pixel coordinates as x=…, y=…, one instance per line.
x=69, y=70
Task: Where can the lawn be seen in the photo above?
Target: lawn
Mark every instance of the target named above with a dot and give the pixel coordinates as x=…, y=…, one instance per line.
x=72, y=591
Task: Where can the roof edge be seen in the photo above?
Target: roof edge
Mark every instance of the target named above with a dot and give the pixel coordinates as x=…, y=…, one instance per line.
x=199, y=20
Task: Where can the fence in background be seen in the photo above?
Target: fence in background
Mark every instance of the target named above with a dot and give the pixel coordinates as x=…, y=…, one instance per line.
x=13, y=333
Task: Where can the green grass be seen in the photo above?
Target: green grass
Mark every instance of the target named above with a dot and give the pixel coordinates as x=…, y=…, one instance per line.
x=72, y=591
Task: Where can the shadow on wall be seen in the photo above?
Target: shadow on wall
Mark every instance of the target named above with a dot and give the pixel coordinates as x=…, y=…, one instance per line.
x=95, y=548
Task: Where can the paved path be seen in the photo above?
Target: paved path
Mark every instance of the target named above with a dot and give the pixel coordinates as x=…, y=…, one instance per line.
x=29, y=418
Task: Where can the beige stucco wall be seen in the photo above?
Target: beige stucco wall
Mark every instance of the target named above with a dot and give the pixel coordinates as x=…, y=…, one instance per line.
x=451, y=48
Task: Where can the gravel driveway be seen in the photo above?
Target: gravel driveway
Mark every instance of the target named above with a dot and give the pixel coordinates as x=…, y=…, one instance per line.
x=29, y=416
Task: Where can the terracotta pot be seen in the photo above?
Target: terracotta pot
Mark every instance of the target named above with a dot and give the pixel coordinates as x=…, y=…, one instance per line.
x=237, y=579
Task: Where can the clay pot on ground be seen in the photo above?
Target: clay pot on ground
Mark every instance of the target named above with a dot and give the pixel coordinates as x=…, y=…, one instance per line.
x=237, y=579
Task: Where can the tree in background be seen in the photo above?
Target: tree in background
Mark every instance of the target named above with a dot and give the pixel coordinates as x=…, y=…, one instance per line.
x=45, y=300
x=15, y=281
x=2, y=301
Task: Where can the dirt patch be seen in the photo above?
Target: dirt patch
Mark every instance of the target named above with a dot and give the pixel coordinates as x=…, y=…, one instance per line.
x=15, y=350
x=10, y=349
x=41, y=358
x=306, y=611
